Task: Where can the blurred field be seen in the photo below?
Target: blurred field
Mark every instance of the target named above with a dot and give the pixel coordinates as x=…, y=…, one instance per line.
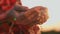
x=50, y=32
x=49, y=27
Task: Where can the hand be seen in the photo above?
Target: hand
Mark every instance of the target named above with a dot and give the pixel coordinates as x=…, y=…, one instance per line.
x=43, y=13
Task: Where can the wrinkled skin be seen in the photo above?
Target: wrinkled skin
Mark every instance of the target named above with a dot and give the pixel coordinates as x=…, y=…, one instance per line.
x=17, y=25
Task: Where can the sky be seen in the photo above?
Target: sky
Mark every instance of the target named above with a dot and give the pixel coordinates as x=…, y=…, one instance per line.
x=53, y=11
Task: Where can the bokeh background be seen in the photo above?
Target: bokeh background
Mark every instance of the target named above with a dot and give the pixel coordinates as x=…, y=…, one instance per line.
x=52, y=26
